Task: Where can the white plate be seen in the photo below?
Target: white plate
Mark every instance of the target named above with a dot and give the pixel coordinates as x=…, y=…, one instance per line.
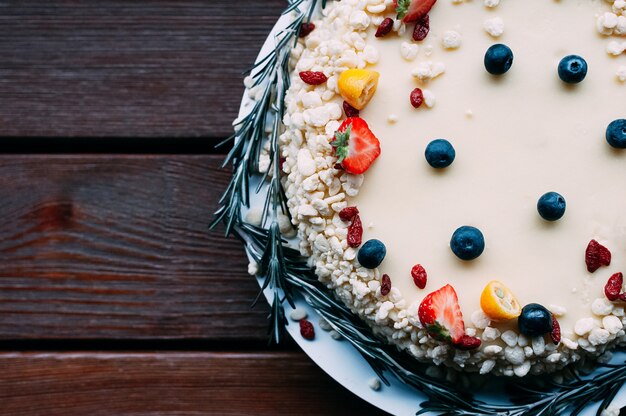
x=338, y=358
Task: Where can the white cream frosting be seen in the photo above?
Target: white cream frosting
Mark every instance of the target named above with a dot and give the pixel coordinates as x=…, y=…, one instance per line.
x=516, y=138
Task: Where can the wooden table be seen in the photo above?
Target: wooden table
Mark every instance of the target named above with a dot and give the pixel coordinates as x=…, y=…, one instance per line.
x=114, y=297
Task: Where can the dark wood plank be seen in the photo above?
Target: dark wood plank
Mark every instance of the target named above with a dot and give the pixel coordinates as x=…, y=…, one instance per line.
x=171, y=384
x=145, y=68
x=118, y=247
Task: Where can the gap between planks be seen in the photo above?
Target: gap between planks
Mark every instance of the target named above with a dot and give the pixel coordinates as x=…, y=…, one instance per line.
x=115, y=145
x=152, y=344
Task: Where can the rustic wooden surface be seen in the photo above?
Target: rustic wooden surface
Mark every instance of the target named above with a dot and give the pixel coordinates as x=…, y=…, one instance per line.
x=114, y=297
x=115, y=247
x=175, y=383
x=146, y=68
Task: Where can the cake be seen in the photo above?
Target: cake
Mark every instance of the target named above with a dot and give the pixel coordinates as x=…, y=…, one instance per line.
x=456, y=175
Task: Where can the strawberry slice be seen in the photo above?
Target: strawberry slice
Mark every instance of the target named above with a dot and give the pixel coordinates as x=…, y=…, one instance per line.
x=441, y=315
x=413, y=10
x=355, y=145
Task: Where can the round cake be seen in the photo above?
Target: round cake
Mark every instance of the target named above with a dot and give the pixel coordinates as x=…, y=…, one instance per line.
x=457, y=175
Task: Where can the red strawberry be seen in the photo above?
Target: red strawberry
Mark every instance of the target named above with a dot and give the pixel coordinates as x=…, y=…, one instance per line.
x=441, y=315
x=355, y=145
x=596, y=255
x=413, y=10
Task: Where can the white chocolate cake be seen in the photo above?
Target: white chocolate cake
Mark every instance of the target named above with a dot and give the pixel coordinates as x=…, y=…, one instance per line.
x=532, y=166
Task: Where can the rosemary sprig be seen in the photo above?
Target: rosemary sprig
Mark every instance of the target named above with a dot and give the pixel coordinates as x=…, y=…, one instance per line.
x=286, y=274
x=271, y=74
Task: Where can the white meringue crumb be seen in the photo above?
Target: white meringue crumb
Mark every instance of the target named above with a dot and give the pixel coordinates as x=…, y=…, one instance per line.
x=509, y=337
x=374, y=383
x=584, y=326
x=324, y=325
x=494, y=26
x=254, y=216
x=557, y=310
x=253, y=268
x=612, y=324
x=298, y=314
x=451, y=39
x=408, y=51
x=621, y=73
x=611, y=411
x=479, y=319
x=429, y=98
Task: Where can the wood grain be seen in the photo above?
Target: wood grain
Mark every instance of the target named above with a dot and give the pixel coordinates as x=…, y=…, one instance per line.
x=145, y=68
x=118, y=247
x=112, y=251
x=171, y=384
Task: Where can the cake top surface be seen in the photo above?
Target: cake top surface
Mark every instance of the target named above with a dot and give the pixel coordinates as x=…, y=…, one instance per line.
x=515, y=136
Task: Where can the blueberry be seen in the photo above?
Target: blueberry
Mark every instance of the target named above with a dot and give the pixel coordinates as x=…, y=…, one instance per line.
x=572, y=69
x=440, y=154
x=551, y=206
x=616, y=133
x=467, y=243
x=535, y=320
x=498, y=59
x=371, y=254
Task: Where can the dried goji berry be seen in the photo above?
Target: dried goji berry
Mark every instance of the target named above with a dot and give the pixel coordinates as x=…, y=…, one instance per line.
x=556, y=331
x=305, y=29
x=349, y=110
x=385, y=285
x=348, y=213
x=613, y=287
x=467, y=343
x=306, y=329
x=419, y=276
x=384, y=28
x=422, y=27
x=355, y=232
x=417, y=97
x=313, y=78
x=596, y=255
